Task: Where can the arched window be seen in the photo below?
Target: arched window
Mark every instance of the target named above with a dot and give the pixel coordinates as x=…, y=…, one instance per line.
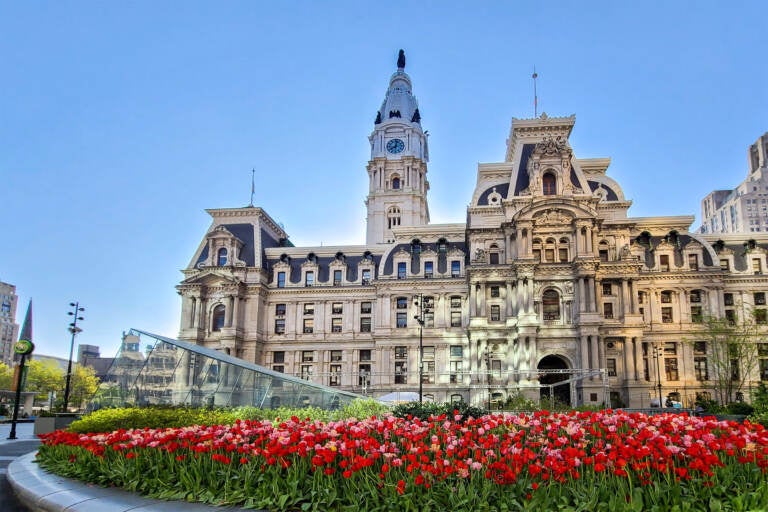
x=396, y=182
x=221, y=258
x=550, y=301
x=218, y=318
x=549, y=184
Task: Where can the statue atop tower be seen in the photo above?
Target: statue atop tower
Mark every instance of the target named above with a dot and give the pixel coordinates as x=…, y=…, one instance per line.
x=401, y=60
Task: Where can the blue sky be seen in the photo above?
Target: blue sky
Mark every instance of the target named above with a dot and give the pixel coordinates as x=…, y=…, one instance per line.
x=120, y=122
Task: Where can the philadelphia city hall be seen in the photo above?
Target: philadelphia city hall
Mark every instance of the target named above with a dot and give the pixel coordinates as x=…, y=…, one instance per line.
x=548, y=288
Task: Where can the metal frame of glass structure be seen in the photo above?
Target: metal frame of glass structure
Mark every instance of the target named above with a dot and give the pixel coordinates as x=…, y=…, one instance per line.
x=174, y=372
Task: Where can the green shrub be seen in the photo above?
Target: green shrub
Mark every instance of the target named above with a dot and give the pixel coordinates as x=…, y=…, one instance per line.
x=108, y=420
x=425, y=410
x=739, y=408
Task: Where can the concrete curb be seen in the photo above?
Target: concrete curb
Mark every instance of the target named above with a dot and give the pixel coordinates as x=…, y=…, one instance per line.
x=41, y=491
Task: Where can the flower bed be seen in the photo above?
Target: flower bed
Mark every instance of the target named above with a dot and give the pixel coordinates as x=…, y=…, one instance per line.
x=542, y=461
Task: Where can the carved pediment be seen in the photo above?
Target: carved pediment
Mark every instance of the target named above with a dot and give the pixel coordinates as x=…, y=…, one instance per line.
x=212, y=278
x=552, y=217
x=552, y=146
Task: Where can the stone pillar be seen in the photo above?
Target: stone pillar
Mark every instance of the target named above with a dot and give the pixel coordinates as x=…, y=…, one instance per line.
x=509, y=310
x=481, y=300
x=472, y=300
x=626, y=306
x=582, y=303
x=638, y=346
x=235, y=311
x=594, y=353
x=628, y=358
x=230, y=307
x=584, y=349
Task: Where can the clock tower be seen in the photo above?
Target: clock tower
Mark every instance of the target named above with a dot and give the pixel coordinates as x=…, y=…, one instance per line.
x=397, y=170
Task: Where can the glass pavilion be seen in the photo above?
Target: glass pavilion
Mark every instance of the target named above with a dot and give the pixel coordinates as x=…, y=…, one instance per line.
x=173, y=372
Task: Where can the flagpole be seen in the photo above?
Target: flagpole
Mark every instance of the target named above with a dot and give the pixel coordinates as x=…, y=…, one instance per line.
x=535, y=96
x=253, y=185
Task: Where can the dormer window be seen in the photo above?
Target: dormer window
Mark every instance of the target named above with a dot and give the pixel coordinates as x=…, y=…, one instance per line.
x=416, y=247
x=442, y=245
x=396, y=183
x=309, y=278
x=221, y=258
x=401, y=270
x=549, y=184
x=428, y=269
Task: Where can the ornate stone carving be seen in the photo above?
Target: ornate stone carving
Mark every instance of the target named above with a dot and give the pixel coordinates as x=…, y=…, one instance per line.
x=552, y=217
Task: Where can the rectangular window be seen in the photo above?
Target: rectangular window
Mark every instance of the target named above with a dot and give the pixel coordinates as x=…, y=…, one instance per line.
x=279, y=368
x=366, y=277
x=700, y=368
x=401, y=371
x=762, y=349
x=764, y=370
x=695, y=296
x=666, y=315
x=563, y=255
x=664, y=262
x=757, y=268
x=495, y=313
x=610, y=364
x=429, y=352
x=278, y=357
x=607, y=310
x=307, y=356
x=537, y=254
x=402, y=303
x=759, y=298
x=365, y=324
x=603, y=254
x=428, y=377
x=724, y=264
x=760, y=316
x=455, y=318
x=699, y=347
x=666, y=297
x=455, y=302
x=335, y=355
x=607, y=289
x=402, y=320
x=494, y=291
x=309, y=325
x=336, y=277
x=693, y=261
x=730, y=316
x=335, y=377
x=401, y=270
x=428, y=269
x=493, y=258
x=365, y=308
x=279, y=309
x=401, y=352
x=337, y=308
x=429, y=319
x=281, y=279
x=696, y=316
x=336, y=324
x=306, y=371
x=455, y=268
x=365, y=355
x=728, y=299
x=457, y=351
x=455, y=368
x=670, y=348
x=309, y=278
x=309, y=308
x=670, y=368
x=279, y=325
x=549, y=255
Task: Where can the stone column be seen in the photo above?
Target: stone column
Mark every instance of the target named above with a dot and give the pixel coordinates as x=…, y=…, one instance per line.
x=594, y=353
x=627, y=349
x=230, y=308
x=509, y=310
x=626, y=306
x=582, y=303
x=584, y=348
x=472, y=300
x=638, y=346
x=235, y=311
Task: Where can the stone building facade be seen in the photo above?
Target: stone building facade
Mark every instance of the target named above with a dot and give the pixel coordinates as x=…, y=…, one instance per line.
x=548, y=288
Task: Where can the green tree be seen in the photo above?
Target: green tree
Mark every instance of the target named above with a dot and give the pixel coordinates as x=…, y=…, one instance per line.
x=6, y=376
x=84, y=384
x=44, y=377
x=730, y=346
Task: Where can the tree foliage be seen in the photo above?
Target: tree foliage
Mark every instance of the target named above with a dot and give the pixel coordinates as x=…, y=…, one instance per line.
x=731, y=351
x=6, y=376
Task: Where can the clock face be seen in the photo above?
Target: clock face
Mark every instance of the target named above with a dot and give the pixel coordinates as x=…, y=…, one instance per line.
x=395, y=146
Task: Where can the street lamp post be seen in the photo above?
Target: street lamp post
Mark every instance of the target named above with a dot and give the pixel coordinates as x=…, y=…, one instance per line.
x=657, y=353
x=423, y=309
x=74, y=329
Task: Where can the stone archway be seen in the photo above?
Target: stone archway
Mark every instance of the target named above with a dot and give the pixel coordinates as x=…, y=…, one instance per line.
x=563, y=392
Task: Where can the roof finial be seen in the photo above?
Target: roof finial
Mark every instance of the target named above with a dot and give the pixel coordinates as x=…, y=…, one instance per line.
x=401, y=60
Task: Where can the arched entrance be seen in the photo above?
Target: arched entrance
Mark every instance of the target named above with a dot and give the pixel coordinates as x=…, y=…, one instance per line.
x=563, y=392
